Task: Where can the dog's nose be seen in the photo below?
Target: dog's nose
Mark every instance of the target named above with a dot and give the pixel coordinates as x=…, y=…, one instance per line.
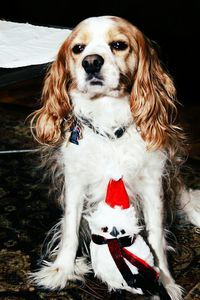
x=92, y=63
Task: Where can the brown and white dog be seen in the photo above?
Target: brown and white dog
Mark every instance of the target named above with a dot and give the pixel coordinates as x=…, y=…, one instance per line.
x=109, y=110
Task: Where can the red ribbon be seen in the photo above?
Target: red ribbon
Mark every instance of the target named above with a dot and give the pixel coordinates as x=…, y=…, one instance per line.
x=147, y=277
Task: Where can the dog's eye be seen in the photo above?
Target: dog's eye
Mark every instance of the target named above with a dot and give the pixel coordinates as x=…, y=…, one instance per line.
x=104, y=229
x=123, y=231
x=118, y=45
x=78, y=48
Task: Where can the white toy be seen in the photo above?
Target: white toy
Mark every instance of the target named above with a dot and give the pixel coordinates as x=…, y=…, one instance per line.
x=119, y=255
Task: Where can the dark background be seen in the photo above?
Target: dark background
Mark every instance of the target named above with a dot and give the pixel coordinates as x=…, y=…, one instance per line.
x=27, y=213
x=173, y=25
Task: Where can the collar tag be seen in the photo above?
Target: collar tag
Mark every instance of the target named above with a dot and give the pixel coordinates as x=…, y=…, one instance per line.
x=75, y=135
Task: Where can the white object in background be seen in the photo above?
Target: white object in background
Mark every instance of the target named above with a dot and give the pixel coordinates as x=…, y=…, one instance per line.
x=23, y=44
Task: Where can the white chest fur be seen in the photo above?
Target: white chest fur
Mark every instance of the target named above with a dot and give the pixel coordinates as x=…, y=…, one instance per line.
x=97, y=159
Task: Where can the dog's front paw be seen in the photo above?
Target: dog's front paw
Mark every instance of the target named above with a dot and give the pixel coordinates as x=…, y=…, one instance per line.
x=55, y=276
x=52, y=276
x=175, y=291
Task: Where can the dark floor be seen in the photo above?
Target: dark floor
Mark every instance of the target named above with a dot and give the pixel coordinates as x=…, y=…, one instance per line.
x=27, y=214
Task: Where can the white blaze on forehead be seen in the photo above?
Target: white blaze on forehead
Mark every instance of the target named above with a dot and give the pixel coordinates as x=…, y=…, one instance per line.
x=98, y=26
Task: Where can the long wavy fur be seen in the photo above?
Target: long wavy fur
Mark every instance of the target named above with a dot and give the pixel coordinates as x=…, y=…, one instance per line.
x=152, y=100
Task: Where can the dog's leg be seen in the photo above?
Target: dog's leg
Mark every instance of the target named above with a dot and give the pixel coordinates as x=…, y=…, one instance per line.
x=153, y=214
x=55, y=274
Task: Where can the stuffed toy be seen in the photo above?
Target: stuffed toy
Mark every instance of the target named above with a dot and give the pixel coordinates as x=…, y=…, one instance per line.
x=119, y=255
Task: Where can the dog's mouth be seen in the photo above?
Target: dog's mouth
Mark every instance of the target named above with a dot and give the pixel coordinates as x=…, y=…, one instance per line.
x=96, y=82
x=95, y=79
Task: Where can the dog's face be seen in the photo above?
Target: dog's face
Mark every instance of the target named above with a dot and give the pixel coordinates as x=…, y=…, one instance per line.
x=102, y=56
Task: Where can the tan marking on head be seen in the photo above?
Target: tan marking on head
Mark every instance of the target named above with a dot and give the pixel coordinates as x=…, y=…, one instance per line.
x=80, y=35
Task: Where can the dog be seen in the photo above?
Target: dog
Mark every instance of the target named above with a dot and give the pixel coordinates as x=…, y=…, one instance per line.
x=109, y=110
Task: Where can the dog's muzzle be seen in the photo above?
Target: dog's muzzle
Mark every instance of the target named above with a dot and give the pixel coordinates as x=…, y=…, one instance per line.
x=92, y=65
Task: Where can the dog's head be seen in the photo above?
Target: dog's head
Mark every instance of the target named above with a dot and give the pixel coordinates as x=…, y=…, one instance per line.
x=102, y=56
x=109, y=56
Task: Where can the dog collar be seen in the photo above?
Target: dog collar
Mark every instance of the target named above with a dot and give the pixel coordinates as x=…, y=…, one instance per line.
x=78, y=123
x=117, y=132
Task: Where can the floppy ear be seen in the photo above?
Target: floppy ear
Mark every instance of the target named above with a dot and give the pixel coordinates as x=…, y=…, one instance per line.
x=55, y=100
x=153, y=97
